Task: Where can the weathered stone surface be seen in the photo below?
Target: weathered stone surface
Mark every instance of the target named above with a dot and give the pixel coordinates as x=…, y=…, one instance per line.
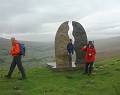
x=61, y=41
x=80, y=40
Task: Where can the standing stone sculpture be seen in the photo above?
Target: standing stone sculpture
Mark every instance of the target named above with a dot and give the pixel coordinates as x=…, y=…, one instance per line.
x=80, y=40
x=61, y=41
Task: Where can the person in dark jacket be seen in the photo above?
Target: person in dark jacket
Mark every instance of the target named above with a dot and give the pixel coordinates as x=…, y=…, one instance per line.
x=70, y=49
x=15, y=53
x=90, y=57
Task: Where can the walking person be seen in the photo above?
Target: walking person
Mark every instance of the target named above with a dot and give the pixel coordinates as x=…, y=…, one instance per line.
x=16, y=53
x=90, y=57
x=70, y=49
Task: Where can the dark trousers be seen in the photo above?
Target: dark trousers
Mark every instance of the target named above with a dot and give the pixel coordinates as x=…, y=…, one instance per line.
x=70, y=60
x=17, y=61
x=89, y=67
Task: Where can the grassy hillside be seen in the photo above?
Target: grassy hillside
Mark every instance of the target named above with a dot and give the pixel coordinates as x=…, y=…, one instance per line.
x=42, y=81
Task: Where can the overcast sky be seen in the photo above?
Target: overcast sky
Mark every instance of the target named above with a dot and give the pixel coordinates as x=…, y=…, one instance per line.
x=38, y=20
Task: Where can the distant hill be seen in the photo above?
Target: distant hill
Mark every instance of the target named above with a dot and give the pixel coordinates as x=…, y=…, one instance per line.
x=111, y=44
x=108, y=47
x=38, y=53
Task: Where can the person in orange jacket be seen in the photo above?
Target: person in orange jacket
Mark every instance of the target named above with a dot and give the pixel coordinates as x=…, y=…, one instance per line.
x=15, y=52
x=90, y=56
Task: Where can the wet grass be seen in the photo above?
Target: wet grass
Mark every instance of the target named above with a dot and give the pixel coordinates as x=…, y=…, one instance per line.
x=42, y=81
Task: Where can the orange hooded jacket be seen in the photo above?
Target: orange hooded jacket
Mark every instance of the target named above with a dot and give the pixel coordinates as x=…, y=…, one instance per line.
x=15, y=50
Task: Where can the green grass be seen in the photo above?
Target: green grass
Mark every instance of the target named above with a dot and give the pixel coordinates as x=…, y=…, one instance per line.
x=42, y=81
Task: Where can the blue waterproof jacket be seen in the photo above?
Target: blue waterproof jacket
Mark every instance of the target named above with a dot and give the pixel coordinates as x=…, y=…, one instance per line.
x=70, y=48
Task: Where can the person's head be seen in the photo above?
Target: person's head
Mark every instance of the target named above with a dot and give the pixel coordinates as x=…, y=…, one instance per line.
x=70, y=40
x=90, y=44
x=12, y=40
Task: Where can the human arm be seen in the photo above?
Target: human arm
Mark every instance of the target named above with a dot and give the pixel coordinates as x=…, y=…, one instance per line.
x=84, y=48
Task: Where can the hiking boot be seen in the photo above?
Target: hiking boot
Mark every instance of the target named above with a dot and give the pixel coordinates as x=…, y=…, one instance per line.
x=89, y=74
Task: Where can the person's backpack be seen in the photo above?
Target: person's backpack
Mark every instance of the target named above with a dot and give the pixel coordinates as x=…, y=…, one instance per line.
x=22, y=49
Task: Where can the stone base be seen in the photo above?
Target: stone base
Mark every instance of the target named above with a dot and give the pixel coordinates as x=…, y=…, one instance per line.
x=52, y=66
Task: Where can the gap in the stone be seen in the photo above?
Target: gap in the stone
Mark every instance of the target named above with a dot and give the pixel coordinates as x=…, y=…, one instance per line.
x=71, y=37
x=70, y=30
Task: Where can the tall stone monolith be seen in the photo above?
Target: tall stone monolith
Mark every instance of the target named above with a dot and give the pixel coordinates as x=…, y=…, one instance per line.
x=61, y=41
x=80, y=40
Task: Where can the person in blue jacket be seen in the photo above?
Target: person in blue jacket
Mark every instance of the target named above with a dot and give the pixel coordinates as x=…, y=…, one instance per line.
x=70, y=50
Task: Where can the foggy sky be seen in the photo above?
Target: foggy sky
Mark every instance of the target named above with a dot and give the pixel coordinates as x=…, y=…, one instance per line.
x=38, y=20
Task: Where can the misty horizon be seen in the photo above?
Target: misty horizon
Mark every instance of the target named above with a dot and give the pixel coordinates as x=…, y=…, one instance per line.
x=37, y=20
